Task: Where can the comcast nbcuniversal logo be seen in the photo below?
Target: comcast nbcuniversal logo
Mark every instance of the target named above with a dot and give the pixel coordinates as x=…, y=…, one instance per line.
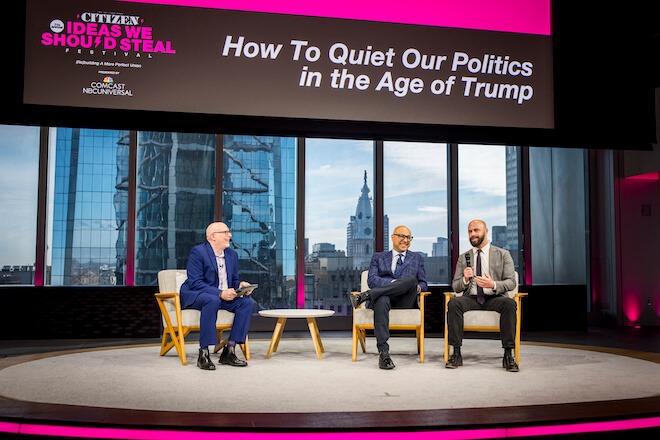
x=107, y=86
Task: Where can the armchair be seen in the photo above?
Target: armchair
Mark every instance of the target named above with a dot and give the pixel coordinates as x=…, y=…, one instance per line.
x=177, y=323
x=487, y=320
x=400, y=319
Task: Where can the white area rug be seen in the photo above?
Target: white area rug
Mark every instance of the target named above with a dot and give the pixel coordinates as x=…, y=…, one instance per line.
x=294, y=380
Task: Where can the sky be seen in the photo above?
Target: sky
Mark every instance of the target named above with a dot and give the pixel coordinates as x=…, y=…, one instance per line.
x=19, y=149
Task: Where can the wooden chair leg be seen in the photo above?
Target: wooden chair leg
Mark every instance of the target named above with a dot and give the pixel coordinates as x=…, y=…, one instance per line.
x=420, y=343
x=516, y=348
x=362, y=336
x=518, y=324
x=446, y=344
x=221, y=342
x=355, y=343
x=246, y=349
x=166, y=343
x=446, y=354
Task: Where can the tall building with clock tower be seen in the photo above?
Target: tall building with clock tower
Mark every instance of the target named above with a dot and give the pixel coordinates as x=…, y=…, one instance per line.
x=360, y=230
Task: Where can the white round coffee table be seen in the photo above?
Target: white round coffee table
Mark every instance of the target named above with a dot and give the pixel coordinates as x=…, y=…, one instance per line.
x=283, y=314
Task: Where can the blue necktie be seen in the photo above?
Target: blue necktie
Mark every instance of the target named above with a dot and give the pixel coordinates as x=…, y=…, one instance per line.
x=480, y=290
x=399, y=266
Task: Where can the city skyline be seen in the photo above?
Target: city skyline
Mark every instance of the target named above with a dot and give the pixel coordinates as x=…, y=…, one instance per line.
x=334, y=175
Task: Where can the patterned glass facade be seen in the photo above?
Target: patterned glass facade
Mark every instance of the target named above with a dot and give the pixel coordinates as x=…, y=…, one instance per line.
x=87, y=243
x=258, y=206
x=175, y=199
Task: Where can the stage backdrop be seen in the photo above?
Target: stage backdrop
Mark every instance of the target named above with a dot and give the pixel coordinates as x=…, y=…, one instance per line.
x=471, y=63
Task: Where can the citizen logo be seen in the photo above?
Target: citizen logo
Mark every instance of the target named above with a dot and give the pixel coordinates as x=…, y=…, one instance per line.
x=98, y=17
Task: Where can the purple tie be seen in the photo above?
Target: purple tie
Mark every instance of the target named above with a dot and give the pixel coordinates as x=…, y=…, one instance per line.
x=399, y=266
x=480, y=290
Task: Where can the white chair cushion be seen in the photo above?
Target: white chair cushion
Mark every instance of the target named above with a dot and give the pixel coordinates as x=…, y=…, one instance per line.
x=180, y=279
x=364, y=316
x=481, y=318
x=190, y=317
x=171, y=281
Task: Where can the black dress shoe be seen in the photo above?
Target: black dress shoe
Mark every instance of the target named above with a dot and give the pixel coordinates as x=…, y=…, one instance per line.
x=358, y=299
x=385, y=361
x=455, y=361
x=204, y=360
x=509, y=363
x=228, y=357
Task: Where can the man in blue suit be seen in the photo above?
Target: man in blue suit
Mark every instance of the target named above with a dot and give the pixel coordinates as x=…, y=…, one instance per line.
x=395, y=279
x=210, y=286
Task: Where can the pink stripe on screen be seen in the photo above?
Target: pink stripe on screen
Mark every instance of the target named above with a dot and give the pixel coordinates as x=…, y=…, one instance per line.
x=521, y=16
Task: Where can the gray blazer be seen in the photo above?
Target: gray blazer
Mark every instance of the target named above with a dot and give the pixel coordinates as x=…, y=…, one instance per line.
x=500, y=266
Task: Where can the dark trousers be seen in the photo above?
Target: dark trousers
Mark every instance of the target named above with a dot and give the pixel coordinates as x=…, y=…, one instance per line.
x=209, y=305
x=461, y=304
x=401, y=294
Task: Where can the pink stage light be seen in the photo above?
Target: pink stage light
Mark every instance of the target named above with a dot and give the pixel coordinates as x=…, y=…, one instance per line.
x=147, y=434
x=646, y=176
x=631, y=306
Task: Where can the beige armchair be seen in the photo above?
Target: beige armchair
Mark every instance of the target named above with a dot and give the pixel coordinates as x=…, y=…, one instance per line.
x=400, y=319
x=487, y=320
x=177, y=323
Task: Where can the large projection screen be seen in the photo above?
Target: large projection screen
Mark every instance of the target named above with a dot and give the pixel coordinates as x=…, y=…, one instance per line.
x=460, y=63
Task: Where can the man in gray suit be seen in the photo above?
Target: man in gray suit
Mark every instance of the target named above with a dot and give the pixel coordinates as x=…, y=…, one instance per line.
x=484, y=285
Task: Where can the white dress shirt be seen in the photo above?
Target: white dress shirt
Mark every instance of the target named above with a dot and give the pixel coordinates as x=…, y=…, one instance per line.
x=485, y=269
x=222, y=272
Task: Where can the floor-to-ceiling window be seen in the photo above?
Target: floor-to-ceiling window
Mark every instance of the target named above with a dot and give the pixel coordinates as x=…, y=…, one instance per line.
x=259, y=207
x=19, y=179
x=175, y=198
x=558, y=215
x=339, y=220
x=87, y=221
x=415, y=195
x=88, y=190
x=488, y=190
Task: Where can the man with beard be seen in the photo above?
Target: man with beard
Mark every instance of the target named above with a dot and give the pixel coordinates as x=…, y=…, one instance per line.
x=483, y=274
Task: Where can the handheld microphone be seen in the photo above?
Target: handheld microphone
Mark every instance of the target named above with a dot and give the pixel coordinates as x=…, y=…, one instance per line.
x=468, y=256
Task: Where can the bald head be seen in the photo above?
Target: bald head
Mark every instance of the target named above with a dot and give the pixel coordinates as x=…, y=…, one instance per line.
x=218, y=234
x=478, y=233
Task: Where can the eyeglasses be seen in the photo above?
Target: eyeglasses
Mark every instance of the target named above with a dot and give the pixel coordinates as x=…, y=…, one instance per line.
x=222, y=232
x=404, y=237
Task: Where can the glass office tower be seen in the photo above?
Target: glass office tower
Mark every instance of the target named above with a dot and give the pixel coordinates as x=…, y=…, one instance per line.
x=258, y=206
x=87, y=245
x=175, y=199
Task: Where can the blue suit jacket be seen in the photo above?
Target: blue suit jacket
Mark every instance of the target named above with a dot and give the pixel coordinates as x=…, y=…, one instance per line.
x=380, y=269
x=203, y=273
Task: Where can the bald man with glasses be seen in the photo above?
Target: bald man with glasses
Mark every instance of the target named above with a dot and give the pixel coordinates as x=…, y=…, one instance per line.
x=211, y=285
x=395, y=278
